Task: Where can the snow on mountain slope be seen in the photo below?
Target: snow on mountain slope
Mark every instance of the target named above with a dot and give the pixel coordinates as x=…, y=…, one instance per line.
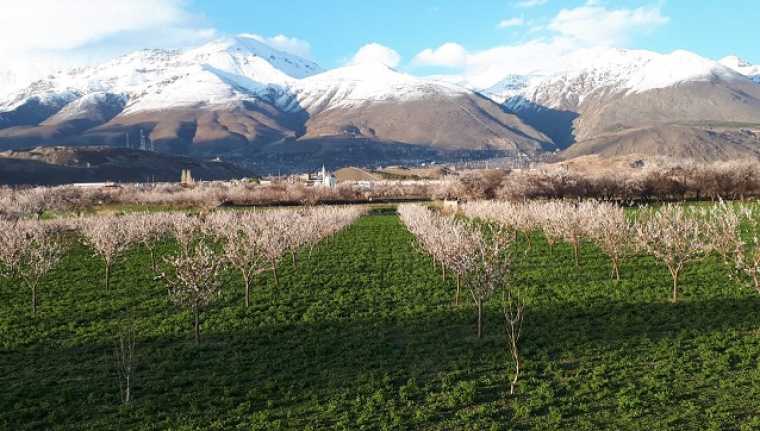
x=363, y=83
x=604, y=91
x=607, y=72
x=97, y=107
x=246, y=56
x=742, y=66
x=236, y=91
x=223, y=71
x=511, y=86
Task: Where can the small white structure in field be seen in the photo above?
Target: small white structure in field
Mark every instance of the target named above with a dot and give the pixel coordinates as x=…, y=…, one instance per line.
x=328, y=180
x=186, y=178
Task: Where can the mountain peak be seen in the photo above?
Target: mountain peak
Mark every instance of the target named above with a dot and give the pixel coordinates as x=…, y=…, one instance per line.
x=371, y=81
x=742, y=66
x=734, y=61
x=244, y=49
x=613, y=71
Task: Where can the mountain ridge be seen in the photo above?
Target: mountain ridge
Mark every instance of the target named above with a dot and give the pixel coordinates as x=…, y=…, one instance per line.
x=239, y=96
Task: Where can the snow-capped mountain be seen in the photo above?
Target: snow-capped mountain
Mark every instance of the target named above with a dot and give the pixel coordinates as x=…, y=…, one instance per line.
x=235, y=92
x=374, y=100
x=604, y=95
x=742, y=66
x=609, y=72
x=238, y=95
x=512, y=86
x=224, y=71
x=364, y=83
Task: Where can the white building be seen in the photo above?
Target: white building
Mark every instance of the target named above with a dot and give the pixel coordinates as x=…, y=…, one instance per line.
x=328, y=179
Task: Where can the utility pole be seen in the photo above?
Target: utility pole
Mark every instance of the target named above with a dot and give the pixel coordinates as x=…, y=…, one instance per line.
x=143, y=145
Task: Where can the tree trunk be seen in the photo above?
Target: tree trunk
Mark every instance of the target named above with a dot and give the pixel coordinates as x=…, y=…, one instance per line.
x=577, y=253
x=34, y=300
x=153, y=263
x=616, y=269
x=674, y=273
x=127, y=390
x=197, y=325
x=276, y=279
x=459, y=289
x=108, y=277
x=513, y=383
x=293, y=258
x=479, y=303
x=247, y=282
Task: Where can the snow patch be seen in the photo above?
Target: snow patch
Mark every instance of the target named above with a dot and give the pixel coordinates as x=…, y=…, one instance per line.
x=742, y=66
x=606, y=71
x=363, y=83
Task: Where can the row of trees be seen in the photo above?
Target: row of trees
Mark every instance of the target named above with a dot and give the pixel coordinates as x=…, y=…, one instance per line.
x=249, y=242
x=481, y=258
x=479, y=254
x=658, y=180
x=675, y=235
x=32, y=202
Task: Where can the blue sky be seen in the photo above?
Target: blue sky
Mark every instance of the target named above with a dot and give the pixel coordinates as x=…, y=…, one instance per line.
x=336, y=29
x=479, y=40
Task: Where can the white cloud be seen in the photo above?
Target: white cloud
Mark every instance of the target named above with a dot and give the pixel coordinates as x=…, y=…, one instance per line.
x=42, y=34
x=531, y=3
x=376, y=53
x=284, y=43
x=59, y=25
x=587, y=26
x=597, y=25
x=511, y=22
x=449, y=55
x=485, y=68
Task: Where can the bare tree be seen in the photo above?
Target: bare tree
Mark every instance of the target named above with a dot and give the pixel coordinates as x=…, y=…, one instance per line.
x=722, y=224
x=273, y=241
x=612, y=232
x=514, y=313
x=110, y=237
x=675, y=236
x=745, y=262
x=451, y=243
x=13, y=245
x=573, y=221
x=28, y=251
x=194, y=280
x=125, y=360
x=186, y=229
x=148, y=230
x=491, y=270
x=242, y=248
x=520, y=217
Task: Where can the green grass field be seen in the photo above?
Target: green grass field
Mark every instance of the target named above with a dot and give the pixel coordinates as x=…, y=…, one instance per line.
x=363, y=335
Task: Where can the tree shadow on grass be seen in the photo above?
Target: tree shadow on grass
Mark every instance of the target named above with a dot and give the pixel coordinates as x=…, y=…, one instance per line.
x=321, y=373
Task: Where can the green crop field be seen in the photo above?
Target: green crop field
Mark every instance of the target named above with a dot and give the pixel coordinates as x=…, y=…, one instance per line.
x=362, y=334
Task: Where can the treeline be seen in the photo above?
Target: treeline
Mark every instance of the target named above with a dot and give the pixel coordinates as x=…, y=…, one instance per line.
x=25, y=202
x=670, y=182
x=665, y=182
